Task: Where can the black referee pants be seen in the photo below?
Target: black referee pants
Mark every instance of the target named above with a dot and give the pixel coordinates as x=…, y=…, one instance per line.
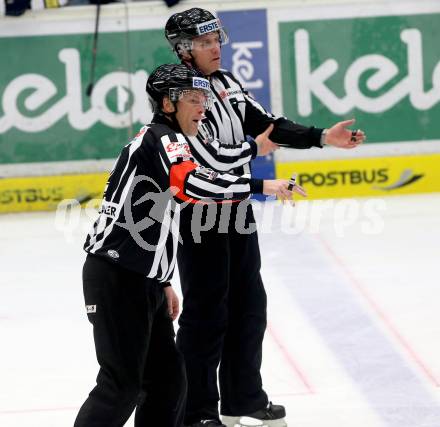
x=140, y=366
x=223, y=320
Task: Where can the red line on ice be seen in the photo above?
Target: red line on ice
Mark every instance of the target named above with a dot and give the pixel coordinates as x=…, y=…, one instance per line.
x=393, y=329
x=291, y=361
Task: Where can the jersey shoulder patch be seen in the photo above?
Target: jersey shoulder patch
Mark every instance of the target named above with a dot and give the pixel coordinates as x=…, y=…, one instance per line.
x=176, y=147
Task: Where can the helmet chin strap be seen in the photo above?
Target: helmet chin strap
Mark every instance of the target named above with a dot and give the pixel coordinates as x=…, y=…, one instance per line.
x=191, y=61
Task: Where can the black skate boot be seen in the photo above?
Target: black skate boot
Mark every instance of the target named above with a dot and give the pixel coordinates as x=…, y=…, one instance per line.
x=270, y=416
x=207, y=423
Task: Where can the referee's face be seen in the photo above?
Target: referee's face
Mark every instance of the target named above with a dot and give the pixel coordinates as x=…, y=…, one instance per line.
x=190, y=111
x=206, y=51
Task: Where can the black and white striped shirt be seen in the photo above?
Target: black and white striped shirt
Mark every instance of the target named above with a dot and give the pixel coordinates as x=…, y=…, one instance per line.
x=138, y=223
x=235, y=116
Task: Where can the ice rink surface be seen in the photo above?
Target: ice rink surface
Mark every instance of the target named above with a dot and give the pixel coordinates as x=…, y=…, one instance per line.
x=353, y=338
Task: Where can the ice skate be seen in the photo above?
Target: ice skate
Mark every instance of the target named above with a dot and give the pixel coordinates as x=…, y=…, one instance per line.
x=207, y=423
x=270, y=416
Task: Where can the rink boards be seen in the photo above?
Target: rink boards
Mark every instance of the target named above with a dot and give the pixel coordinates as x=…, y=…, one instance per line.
x=323, y=179
x=296, y=58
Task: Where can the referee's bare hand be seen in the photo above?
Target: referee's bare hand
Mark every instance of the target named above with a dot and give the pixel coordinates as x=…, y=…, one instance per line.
x=172, y=302
x=339, y=136
x=265, y=145
x=280, y=188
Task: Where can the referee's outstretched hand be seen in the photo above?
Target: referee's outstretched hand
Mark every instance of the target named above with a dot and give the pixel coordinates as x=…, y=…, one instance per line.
x=339, y=136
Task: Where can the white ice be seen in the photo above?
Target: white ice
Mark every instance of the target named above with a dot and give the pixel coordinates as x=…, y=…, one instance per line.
x=353, y=336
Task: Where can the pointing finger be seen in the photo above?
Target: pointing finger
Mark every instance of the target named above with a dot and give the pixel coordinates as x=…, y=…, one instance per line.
x=346, y=123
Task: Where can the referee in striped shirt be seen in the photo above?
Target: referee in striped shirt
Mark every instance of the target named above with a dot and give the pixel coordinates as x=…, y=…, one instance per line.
x=224, y=306
x=132, y=253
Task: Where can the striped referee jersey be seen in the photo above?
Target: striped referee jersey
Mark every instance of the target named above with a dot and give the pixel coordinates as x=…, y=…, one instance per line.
x=154, y=177
x=236, y=116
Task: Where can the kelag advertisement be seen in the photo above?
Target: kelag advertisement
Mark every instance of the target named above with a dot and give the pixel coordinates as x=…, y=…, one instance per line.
x=45, y=114
x=383, y=70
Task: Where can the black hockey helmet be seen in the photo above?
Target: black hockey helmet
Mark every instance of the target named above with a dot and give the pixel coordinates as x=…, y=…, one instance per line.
x=184, y=26
x=174, y=81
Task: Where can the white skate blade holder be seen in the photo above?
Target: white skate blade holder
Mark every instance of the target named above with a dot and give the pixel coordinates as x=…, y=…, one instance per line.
x=252, y=422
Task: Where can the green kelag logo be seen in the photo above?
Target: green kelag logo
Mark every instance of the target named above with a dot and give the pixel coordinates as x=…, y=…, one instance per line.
x=45, y=114
x=125, y=85
x=384, y=71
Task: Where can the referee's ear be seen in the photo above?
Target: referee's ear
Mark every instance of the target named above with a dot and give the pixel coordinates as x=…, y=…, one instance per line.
x=167, y=105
